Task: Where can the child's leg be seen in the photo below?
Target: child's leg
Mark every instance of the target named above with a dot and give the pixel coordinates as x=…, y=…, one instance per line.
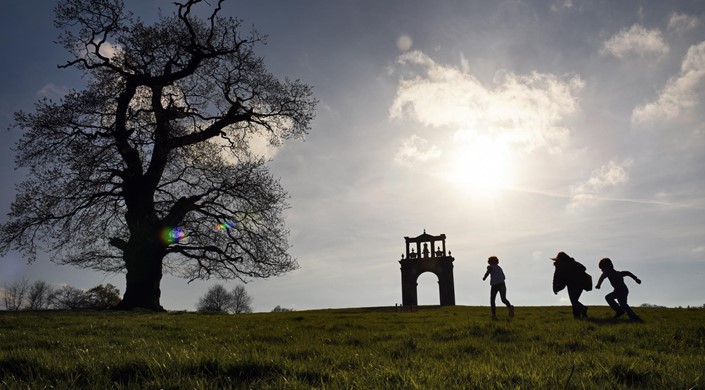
x=623, y=305
x=611, y=299
x=493, y=295
x=574, y=292
x=503, y=294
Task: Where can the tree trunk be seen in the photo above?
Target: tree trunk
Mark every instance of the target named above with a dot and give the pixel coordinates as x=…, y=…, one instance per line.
x=143, y=260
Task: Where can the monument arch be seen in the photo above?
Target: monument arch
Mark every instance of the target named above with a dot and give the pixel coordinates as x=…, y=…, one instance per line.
x=420, y=258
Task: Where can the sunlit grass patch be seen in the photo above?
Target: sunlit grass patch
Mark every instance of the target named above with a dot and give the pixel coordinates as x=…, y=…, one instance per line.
x=453, y=347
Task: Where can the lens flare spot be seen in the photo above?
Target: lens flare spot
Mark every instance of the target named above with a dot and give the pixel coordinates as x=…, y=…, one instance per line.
x=171, y=235
x=404, y=42
x=227, y=225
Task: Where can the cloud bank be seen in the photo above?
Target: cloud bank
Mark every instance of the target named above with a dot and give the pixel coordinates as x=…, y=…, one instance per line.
x=416, y=150
x=681, y=94
x=608, y=176
x=523, y=110
x=681, y=23
x=636, y=41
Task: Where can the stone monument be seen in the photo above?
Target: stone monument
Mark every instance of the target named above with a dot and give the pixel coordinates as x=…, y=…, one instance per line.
x=420, y=258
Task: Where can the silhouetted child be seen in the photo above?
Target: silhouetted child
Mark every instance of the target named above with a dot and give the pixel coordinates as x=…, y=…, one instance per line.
x=571, y=274
x=494, y=271
x=617, y=299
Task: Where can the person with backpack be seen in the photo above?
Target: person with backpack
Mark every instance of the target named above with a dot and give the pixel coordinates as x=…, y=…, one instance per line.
x=617, y=299
x=571, y=274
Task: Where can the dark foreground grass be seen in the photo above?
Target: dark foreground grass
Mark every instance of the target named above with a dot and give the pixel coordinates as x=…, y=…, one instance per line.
x=376, y=348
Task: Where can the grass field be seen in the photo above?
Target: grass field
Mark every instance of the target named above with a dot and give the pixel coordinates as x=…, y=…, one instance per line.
x=375, y=348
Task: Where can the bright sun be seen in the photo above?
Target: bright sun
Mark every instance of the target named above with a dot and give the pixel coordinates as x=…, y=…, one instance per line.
x=480, y=163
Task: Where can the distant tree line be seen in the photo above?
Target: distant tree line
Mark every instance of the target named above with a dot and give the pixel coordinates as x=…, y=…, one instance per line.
x=219, y=300
x=40, y=295
x=678, y=307
x=237, y=301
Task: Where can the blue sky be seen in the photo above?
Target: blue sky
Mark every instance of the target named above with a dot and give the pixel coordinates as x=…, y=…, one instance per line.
x=517, y=128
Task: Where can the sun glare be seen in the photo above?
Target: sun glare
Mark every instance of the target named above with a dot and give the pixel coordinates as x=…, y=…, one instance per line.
x=480, y=163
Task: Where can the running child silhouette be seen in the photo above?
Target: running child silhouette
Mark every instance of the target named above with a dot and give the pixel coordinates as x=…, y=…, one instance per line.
x=617, y=299
x=494, y=271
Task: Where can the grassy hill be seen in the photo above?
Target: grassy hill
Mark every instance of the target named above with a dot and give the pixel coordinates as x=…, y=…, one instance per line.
x=448, y=347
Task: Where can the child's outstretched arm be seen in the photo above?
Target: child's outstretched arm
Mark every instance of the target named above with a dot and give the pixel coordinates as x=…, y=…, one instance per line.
x=599, y=281
x=486, y=273
x=631, y=275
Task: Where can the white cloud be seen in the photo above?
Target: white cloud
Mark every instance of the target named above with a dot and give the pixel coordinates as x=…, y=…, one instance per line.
x=602, y=179
x=439, y=96
x=464, y=63
x=681, y=93
x=52, y=91
x=637, y=40
x=538, y=255
x=682, y=22
x=561, y=4
x=525, y=110
x=106, y=49
x=416, y=150
x=260, y=145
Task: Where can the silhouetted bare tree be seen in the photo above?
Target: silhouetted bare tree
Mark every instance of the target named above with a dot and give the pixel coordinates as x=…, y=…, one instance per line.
x=38, y=296
x=15, y=294
x=216, y=300
x=242, y=301
x=148, y=170
x=69, y=298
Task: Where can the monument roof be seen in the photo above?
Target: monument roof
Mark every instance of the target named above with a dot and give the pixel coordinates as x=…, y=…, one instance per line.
x=425, y=237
